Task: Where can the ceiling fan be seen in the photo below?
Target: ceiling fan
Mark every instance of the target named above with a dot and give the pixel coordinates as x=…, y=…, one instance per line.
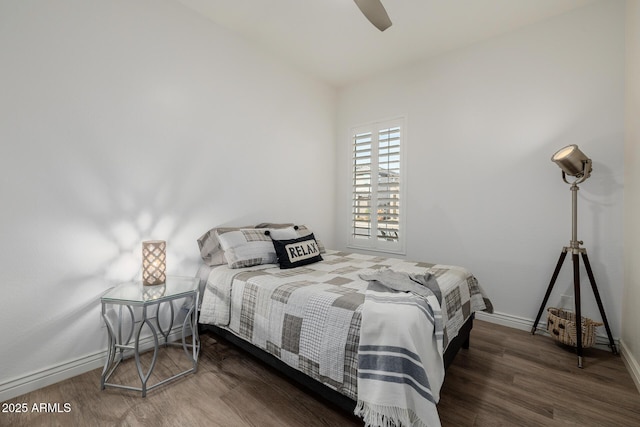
x=374, y=11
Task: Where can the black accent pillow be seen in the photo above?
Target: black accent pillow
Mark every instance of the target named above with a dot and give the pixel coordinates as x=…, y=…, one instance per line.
x=297, y=252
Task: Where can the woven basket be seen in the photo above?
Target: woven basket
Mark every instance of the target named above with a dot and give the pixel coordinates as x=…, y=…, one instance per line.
x=561, y=325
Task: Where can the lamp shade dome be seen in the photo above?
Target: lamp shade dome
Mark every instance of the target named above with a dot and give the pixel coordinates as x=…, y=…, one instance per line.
x=572, y=161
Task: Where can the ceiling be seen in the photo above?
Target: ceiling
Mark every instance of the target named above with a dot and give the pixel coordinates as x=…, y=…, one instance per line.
x=333, y=41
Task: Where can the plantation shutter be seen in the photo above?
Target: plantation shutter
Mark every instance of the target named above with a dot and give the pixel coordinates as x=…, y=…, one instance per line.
x=377, y=186
x=388, y=194
x=362, y=186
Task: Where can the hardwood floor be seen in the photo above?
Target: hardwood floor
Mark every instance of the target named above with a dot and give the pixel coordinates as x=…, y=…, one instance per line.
x=507, y=377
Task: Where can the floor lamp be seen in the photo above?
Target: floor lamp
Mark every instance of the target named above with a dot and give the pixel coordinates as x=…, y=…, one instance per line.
x=575, y=163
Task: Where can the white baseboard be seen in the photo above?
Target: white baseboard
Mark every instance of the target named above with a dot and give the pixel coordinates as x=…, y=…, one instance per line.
x=36, y=380
x=508, y=320
x=524, y=324
x=632, y=364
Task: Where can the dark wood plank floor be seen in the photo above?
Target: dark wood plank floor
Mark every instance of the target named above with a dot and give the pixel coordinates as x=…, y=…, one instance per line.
x=507, y=377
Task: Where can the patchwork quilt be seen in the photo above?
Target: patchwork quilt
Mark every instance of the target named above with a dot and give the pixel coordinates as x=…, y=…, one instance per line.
x=309, y=317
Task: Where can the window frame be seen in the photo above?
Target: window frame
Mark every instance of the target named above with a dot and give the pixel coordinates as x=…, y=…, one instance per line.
x=373, y=242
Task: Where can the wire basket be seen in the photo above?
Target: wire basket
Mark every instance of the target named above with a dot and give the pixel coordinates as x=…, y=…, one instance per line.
x=561, y=325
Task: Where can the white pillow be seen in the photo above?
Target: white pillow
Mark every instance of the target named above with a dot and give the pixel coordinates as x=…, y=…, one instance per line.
x=303, y=231
x=246, y=247
x=210, y=249
x=287, y=233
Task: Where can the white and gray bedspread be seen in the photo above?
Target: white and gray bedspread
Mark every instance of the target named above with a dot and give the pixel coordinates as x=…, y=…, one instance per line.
x=309, y=317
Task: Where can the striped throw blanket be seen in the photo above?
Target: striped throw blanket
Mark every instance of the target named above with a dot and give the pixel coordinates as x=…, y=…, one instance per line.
x=400, y=366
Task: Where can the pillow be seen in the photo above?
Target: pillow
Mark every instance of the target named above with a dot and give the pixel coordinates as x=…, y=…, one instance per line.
x=246, y=247
x=287, y=233
x=303, y=230
x=213, y=254
x=210, y=249
x=274, y=225
x=297, y=252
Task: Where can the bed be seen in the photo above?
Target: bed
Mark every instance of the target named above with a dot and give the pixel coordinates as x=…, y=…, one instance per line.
x=306, y=320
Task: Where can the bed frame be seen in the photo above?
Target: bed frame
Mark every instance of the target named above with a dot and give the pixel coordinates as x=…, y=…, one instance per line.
x=329, y=394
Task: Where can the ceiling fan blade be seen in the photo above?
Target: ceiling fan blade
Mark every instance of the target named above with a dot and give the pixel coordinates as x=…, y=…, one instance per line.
x=374, y=11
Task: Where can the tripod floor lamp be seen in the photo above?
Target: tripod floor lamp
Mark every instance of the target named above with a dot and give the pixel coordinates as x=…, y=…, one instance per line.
x=575, y=163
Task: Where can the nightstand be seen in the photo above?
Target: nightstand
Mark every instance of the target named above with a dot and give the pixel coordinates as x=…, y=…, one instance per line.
x=118, y=311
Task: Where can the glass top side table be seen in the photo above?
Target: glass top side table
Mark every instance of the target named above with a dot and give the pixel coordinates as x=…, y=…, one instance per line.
x=122, y=299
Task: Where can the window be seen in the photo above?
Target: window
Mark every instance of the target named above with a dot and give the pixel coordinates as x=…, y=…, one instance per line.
x=377, y=186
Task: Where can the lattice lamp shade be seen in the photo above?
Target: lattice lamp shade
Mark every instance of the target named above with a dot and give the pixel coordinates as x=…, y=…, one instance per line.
x=154, y=257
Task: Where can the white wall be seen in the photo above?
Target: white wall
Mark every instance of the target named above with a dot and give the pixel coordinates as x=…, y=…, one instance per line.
x=133, y=119
x=483, y=122
x=631, y=301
